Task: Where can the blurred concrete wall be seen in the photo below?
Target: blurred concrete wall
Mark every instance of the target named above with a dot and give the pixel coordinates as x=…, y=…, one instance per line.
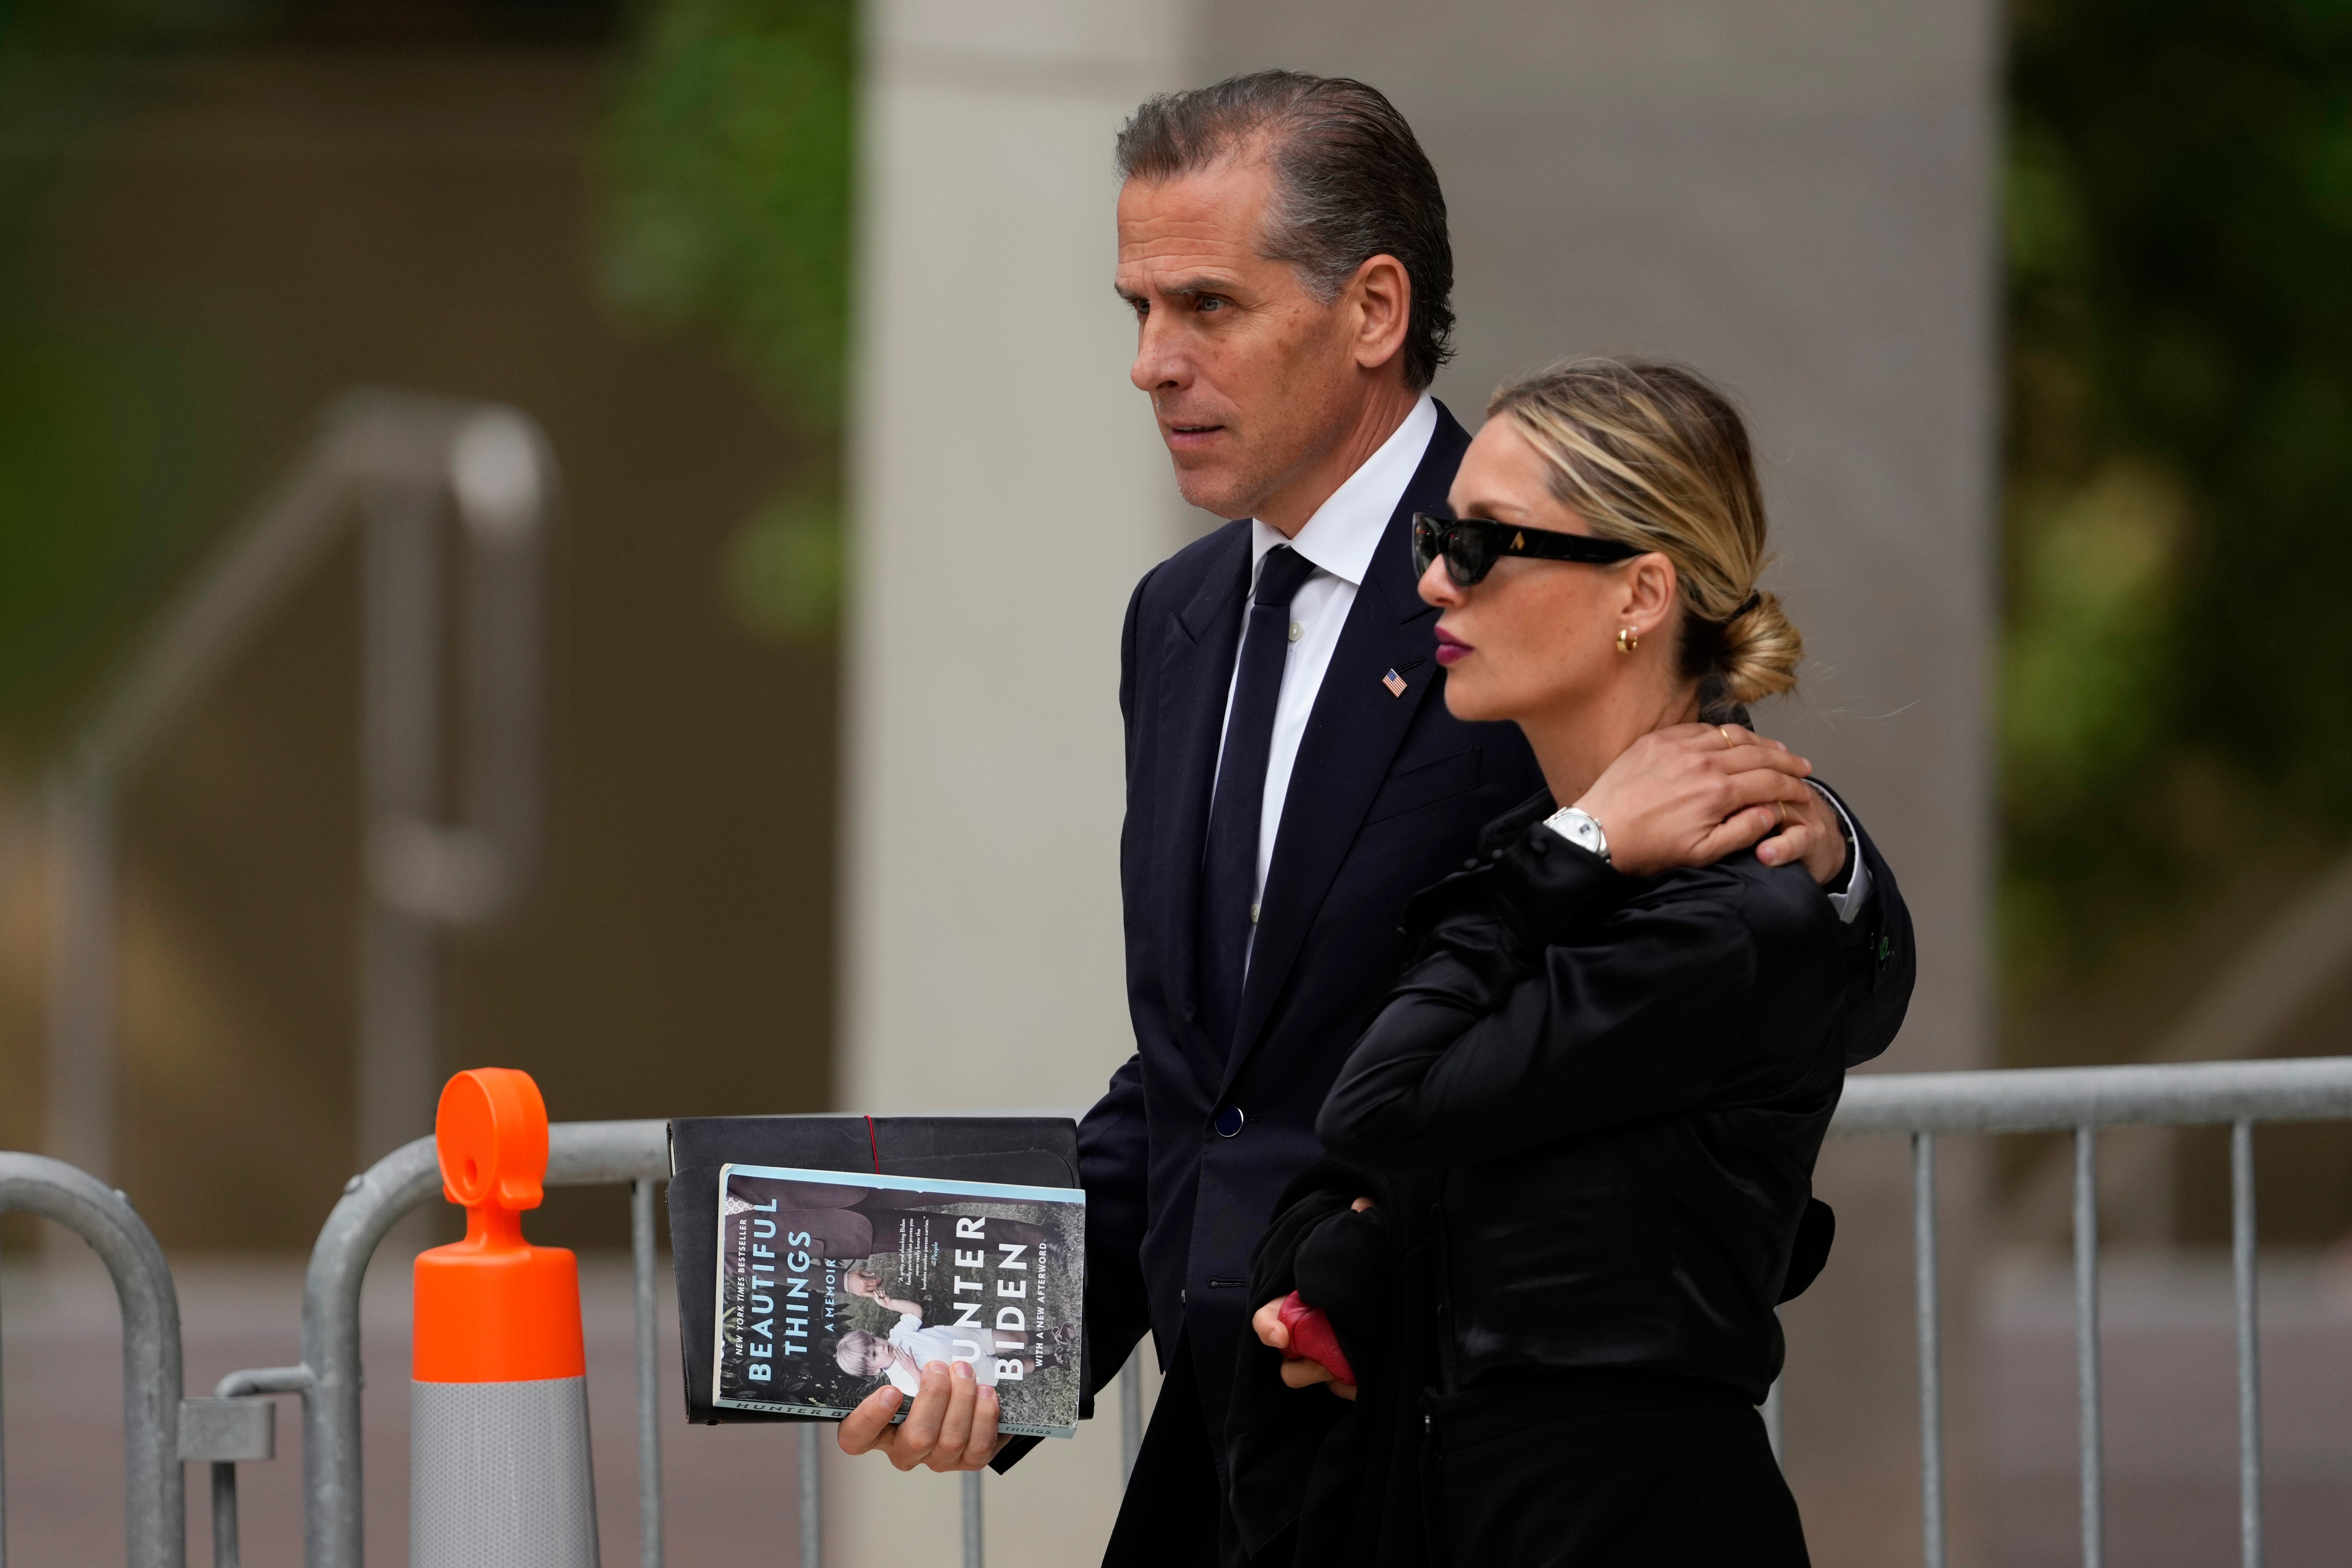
x=1797, y=199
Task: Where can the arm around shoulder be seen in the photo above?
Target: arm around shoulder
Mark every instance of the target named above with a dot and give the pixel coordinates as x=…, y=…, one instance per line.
x=1881, y=964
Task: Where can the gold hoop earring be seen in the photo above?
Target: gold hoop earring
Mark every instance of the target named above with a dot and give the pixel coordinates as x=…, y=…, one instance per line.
x=1627, y=640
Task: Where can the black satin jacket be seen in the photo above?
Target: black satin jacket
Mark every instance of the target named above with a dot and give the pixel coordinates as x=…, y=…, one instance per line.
x=1622, y=1085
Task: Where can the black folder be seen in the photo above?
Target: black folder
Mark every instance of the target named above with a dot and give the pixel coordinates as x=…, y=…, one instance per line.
x=1025, y=1151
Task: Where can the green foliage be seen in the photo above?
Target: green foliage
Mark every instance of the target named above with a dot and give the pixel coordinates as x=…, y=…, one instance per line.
x=2095, y=583
x=784, y=567
x=729, y=175
x=2180, y=519
x=729, y=158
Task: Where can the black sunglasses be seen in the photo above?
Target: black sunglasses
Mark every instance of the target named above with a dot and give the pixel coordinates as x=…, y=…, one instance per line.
x=1471, y=545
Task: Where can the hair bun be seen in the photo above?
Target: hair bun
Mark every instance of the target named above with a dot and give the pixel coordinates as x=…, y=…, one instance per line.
x=1760, y=651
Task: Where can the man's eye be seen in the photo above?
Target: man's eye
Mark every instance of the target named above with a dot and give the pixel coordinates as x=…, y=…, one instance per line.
x=1208, y=303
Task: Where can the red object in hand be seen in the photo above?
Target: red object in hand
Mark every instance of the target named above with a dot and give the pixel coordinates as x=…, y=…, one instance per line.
x=1311, y=1339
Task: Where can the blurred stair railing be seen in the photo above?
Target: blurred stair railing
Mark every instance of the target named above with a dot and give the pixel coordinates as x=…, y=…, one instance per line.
x=395, y=462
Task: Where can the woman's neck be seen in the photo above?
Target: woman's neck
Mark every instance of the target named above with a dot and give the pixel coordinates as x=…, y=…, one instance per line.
x=1575, y=745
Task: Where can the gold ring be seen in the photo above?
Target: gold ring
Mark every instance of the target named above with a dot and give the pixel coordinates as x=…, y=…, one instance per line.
x=1782, y=808
x=1724, y=730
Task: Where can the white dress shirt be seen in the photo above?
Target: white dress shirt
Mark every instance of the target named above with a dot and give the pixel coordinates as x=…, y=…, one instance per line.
x=1338, y=540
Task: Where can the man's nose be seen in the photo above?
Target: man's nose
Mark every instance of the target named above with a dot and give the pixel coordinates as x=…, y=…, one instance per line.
x=1160, y=364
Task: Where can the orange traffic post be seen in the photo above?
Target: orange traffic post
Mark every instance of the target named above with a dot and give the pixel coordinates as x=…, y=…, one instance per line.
x=499, y=1474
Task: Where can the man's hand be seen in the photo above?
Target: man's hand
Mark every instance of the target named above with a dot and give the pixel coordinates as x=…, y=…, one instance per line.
x=1813, y=835
x=1691, y=794
x=952, y=1426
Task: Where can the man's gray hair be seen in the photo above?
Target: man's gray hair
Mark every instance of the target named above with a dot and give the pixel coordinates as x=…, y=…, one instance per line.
x=1350, y=182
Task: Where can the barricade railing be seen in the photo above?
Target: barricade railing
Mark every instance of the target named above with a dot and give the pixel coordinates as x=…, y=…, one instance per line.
x=162, y=1430
x=154, y=1503
x=579, y=1153
x=2083, y=1100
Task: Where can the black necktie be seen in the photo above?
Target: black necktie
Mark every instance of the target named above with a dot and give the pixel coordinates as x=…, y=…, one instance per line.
x=1229, y=867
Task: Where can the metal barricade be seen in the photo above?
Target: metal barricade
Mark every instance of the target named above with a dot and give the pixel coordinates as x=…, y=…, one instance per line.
x=162, y=1430
x=580, y=1153
x=151, y=1476
x=2083, y=1100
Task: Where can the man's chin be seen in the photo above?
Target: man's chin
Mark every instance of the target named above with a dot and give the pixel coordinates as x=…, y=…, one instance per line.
x=1214, y=489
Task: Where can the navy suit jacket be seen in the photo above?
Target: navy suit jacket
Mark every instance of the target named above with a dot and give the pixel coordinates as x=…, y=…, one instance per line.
x=1388, y=795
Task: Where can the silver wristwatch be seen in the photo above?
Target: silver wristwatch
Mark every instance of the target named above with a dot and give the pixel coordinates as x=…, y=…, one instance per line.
x=1580, y=829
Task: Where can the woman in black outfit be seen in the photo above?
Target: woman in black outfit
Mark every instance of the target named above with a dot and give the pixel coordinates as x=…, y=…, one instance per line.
x=1571, y=1159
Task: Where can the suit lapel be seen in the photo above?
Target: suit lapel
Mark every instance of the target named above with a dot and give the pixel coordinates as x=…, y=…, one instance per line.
x=1351, y=736
x=1196, y=666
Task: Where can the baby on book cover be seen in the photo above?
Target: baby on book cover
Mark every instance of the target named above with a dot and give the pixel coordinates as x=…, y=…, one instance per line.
x=831, y=1284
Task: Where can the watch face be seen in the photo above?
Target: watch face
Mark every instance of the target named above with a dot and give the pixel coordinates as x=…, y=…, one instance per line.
x=1577, y=829
x=1580, y=830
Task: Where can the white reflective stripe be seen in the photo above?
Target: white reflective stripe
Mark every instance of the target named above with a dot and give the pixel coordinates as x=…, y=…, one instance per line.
x=500, y=1474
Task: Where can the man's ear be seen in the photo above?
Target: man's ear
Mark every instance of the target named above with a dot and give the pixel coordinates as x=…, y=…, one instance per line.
x=1382, y=297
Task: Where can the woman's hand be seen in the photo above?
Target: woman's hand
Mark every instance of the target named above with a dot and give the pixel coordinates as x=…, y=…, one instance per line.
x=1272, y=1332
x=1275, y=1333
x=1691, y=794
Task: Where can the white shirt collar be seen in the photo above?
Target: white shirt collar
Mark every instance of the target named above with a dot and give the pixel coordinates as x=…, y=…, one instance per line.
x=1346, y=529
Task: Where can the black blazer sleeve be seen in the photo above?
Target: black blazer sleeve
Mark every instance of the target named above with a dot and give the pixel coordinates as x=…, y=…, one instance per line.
x=1111, y=1150
x=1114, y=1145
x=1114, y=1140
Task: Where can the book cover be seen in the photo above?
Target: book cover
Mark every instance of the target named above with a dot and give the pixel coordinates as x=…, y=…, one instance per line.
x=1021, y=1151
x=830, y=1284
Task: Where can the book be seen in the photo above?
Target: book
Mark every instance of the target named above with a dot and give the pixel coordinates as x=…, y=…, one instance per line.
x=1023, y=1151
x=829, y=1285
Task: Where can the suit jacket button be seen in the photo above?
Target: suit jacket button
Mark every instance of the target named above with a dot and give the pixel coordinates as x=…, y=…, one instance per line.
x=1228, y=1121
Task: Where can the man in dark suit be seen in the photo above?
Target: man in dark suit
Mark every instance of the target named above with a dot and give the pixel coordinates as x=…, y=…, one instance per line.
x=1293, y=775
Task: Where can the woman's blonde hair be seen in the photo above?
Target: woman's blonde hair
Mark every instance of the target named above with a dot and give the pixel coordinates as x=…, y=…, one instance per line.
x=1654, y=455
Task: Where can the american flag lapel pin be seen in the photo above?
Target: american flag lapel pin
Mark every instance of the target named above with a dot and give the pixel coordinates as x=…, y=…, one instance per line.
x=1394, y=682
